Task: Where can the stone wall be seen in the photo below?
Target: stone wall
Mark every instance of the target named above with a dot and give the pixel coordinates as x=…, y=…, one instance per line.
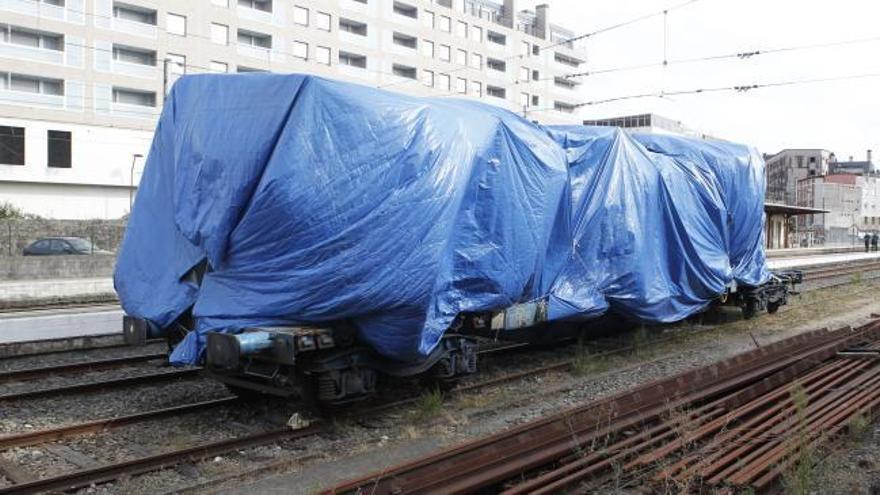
x=15, y=235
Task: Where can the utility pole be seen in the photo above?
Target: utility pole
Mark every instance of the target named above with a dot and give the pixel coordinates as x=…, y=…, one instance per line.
x=134, y=158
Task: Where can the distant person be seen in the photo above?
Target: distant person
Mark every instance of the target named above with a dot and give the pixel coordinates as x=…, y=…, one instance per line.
x=874, y=240
x=868, y=239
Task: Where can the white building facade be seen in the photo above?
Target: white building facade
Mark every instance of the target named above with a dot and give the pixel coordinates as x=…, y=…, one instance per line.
x=82, y=82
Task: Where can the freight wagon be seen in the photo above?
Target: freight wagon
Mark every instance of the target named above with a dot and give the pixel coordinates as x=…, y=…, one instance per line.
x=303, y=237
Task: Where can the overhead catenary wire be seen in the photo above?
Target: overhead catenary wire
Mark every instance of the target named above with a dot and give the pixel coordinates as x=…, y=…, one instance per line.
x=739, y=55
x=735, y=88
x=568, y=41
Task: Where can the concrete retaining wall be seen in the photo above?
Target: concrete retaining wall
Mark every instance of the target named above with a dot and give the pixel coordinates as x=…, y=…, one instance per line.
x=56, y=267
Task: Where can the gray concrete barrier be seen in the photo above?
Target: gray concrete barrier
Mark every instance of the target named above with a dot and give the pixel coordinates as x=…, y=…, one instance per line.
x=55, y=267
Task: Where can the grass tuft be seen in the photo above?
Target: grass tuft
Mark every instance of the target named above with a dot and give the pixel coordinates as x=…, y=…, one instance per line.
x=429, y=404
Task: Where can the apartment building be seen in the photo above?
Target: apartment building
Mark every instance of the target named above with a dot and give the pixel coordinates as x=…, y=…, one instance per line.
x=785, y=169
x=649, y=123
x=82, y=82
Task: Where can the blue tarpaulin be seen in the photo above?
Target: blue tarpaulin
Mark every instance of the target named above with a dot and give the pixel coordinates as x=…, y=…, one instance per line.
x=316, y=201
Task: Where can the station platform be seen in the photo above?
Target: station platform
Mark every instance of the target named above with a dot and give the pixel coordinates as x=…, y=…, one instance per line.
x=60, y=288
x=812, y=251
x=821, y=259
x=22, y=326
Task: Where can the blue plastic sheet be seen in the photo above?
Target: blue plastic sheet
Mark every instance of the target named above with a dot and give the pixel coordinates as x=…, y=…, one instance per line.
x=316, y=201
x=660, y=225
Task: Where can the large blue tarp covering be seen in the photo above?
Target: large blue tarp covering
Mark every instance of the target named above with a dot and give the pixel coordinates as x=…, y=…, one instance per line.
x=316, y=201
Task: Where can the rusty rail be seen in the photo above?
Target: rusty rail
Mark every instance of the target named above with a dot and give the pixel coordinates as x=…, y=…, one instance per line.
x=703, y=417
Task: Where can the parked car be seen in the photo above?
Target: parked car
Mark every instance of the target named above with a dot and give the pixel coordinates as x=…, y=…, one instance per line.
x=62, y=245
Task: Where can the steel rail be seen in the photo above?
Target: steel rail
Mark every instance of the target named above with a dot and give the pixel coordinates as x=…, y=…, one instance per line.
x=105, y=384
x=110, y=472
x=30, y=373
x=487, y=461
x=97, y=426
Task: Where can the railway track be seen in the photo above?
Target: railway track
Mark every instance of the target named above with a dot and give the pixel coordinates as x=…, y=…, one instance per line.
x=92, y=365
x=740, y=422
x=77, y=388
x=145, y=464
x=839, y=271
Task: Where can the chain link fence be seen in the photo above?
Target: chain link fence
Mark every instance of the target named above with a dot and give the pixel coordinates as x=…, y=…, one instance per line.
x=17, y=234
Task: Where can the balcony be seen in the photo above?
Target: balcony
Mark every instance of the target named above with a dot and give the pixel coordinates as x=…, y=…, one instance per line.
x=260, y=11
x=135, y=70
x=27, y=99
x=21, y=52
x=133, y=111
x=133, y=27
x=258, y=52
x=72, y=12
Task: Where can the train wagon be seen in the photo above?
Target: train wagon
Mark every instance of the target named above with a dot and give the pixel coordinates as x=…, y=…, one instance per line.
x=304, y=237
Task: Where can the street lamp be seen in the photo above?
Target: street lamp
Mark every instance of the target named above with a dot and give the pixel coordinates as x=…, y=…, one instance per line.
x=134, y=158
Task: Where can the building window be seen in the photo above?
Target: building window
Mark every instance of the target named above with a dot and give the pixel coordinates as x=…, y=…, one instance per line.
x=461, y=57
x=565, y=60
x=352, y=59
x=495, y=64
x=427, y=49
x=175, y=24
x=134, y=13
x=536, y=75
x=220, y=34
x=241, y=69
x=301, y=16
x=477, y=88
x=176, y=63
x=461, y=29
x=445, y=24
x=536, y=101
x=523, y=100
x=11, y=145
x=353, y=27
x=134, y=97
x=562, y=82
x=444, y=82
x=476, y=61
x=58, y=149
x=563, y=107
x=263, y=5
x=404, y=40
x=33, y=84
x=301, y=50
x=536, y=50
x=497, y=38
x=461, y=85
x=404, y=71
x=477, y=34
x=496, y=91
x=428, y=78
x=406, y=10
x=322, y=55
x=524, y=74
x=252, y=38
x=323, y=21
x=131, y=55
x=445, y=53
x=428, y=19
x=33, y=39
x=524, y=49
x=220, y=67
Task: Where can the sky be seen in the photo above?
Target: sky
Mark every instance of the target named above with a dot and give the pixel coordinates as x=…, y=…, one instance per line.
x=841, y=116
